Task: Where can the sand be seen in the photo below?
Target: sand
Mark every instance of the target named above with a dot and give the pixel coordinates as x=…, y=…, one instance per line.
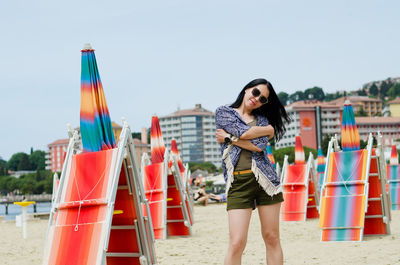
x=300, y=241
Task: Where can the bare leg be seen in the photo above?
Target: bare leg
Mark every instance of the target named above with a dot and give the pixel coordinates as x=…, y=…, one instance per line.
x=269, y=218
x=239, y=220
x=204, y=200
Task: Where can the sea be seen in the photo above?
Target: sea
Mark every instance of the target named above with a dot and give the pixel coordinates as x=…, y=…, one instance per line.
x=14, y=210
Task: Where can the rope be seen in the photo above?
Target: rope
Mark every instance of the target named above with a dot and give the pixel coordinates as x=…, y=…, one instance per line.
x=350, y=176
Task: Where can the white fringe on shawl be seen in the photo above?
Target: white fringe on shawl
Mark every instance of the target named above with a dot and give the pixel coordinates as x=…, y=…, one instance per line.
x=261, y=178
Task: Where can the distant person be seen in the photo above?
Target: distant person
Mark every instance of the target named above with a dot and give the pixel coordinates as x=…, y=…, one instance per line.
x=201, y=195
x=243, y=130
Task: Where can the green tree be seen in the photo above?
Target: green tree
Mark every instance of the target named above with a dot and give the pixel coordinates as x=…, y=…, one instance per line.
x=24, y=163
x=37, y=160
x=361, y=113
x=137, y=135
x=314, y=93
x=297, y=96
x=3, y=167
x=394, y=91
x=283, y=98
x=373, y=90
x=361, y=92
x=210, y=167
x=13, y=163
x=385, y=86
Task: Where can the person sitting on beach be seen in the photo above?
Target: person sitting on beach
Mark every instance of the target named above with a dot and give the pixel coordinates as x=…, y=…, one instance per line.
x=201, y=195
x=218, y=197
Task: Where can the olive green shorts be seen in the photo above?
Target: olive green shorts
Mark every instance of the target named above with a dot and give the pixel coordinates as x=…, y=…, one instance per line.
x=245, y=192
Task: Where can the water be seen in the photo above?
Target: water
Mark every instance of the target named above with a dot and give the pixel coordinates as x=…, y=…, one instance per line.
x=14, y=210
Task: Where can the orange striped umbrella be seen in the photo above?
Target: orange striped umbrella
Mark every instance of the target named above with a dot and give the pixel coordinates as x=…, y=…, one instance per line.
x=270, y=155
x=157, y=142
x=394, y=157
x=299, y=157
x=350, y=137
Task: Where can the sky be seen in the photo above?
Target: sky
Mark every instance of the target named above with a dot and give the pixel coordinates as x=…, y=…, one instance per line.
x=157, y=56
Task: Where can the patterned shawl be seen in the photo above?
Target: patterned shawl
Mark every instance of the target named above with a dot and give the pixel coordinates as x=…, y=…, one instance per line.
x=229, y=120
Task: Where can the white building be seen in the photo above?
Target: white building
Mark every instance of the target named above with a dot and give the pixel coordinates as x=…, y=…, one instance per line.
x=194, y=132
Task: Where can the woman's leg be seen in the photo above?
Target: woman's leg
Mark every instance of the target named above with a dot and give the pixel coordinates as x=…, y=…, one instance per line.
x=269, y=218
x=239, y=220
x=204, y=200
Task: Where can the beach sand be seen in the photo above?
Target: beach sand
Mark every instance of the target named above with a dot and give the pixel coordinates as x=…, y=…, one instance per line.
x=300, y=242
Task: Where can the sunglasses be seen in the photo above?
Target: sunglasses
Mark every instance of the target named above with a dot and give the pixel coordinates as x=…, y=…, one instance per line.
x=256, y=93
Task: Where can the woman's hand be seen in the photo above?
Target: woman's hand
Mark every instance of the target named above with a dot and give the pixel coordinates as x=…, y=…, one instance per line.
x=220, y=134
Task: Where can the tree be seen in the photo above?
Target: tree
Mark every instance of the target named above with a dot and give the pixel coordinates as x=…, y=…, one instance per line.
x=394, y=91
x=373, y=90
x=314, y=93
x=24, y=163
x=297, y=96
x=210, y=167
x=361, y=92
x=13, y=163
x=385, y=86
x=3, y=167
x=283, y=98
x=361, y=113
x=137, y=135
x=37, y=160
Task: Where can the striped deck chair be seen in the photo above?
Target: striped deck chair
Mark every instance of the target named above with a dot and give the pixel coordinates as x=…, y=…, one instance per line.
x=299, y=200
x=96, y=216
x=377, y=216
x=393, y=173
x=393, y=177
x=155, y=186
x=344, y=194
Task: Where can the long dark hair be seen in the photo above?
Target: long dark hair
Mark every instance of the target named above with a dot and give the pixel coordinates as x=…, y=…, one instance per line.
x=273, y=110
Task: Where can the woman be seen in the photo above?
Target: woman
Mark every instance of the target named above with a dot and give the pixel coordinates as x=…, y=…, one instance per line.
x=243, y=130
x=201, y=195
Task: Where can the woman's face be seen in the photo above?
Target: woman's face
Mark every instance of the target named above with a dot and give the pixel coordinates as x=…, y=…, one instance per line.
x=253, y=99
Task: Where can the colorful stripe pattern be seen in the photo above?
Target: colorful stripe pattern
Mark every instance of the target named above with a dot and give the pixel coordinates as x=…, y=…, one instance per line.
x=270, y=155
x=393, y=174
x=295, y=193
x=394, y=156
x=81, y=215
x=299, y=157
x=95, y=123
x=344, y=196
x=157, y=142
x=320, y=168
x=349, y=133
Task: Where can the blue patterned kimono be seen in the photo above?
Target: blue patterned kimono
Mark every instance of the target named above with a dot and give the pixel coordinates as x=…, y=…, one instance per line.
x=229, y=120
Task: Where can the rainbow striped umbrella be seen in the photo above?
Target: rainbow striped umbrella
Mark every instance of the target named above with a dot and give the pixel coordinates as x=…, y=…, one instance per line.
x=95, y=122
x=157, y=142
x=299, y=157
x=320, y=166
x=349, y=132
x=394, y=157
x=270, y=155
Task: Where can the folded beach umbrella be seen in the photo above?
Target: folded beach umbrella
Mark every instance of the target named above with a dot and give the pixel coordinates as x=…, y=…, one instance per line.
x=349, y=133
x=320, y=166
x=174, y=150
x=270, y=155
x=299, y=157
x=394, y=157
x=157, y=142
x=95, y=122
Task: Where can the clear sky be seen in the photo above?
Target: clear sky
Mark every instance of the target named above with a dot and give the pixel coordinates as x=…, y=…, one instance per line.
x=156, y=56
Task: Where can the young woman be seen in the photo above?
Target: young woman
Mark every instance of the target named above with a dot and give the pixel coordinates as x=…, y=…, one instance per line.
x=243, y=130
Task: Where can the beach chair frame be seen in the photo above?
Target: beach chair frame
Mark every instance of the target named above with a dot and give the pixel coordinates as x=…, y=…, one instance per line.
x=184, y=205
x=125, y=154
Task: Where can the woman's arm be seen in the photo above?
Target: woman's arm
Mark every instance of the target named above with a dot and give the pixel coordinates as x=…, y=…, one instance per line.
x=258, y=131
x=245, y=144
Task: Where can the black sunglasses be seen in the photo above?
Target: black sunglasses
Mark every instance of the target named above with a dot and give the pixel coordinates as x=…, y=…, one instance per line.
x=256, y=92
